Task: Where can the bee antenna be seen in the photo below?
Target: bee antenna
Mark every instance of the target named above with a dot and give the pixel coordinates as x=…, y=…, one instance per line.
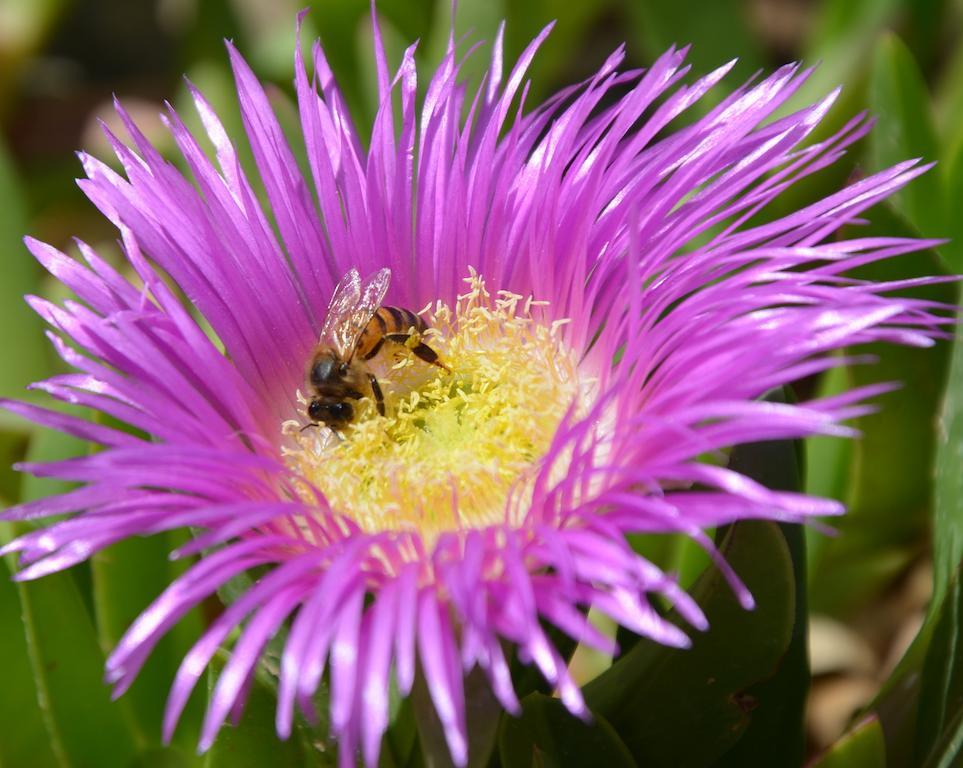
x=308, y=426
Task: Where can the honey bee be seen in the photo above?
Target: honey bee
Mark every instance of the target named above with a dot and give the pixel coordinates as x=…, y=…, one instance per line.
x=355, y=329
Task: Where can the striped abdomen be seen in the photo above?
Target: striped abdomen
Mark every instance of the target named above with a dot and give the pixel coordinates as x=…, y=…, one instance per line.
x=387, y=322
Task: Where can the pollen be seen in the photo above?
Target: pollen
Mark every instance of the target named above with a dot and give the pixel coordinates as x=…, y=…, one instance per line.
x=454, y=450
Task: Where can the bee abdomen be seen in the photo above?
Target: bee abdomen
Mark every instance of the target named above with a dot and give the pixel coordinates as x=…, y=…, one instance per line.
x=385, y=322
x=399, y=320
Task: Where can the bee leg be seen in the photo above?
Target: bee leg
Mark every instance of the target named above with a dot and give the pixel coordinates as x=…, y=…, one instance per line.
x=419, y=349
x=423, y=352
x=379, y=397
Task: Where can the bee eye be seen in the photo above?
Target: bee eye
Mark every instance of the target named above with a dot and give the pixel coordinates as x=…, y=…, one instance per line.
x=315, y=410
x=320, y=372
x=342, y=411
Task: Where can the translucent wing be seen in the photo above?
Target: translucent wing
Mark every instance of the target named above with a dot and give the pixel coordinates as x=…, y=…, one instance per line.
x=343, y=300
x=351, y=307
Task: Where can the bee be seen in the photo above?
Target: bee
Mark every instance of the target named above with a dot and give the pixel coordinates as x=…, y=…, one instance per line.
x=355, y=329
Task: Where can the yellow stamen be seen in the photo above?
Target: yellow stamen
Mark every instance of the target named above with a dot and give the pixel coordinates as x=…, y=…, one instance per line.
x=455, y=450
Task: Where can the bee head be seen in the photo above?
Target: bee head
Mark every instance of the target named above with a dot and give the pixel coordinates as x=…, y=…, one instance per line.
x=327, y=369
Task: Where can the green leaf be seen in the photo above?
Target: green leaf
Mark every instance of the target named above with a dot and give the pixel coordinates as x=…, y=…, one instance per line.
x=29, y=742
x=548, y=736
x=925, y=22
x=48, y=445
x=939, y=724
x=479, y=18
x=269, y=666
x=901, y=104
x=718, y=32
x=892, y=462
x=402, y=738
x=841, y=40
x=558, y=60
x=416, y=19
x=862, y=747
x=656, y=698
x=949, y=750
x=776, y=733
x=165, y=757
x=13, y=446
x=827, y=458
x=84, y=726
x=952, y=252
x=896, y=703
x=253, y=742
x=526, y=678
x=482, y=716
x=337, y=22
x=948, y=497
x=948, y=101
x=21, y=331
x=127, y=577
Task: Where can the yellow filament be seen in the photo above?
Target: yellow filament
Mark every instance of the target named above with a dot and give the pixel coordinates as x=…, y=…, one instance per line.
x=455, y=450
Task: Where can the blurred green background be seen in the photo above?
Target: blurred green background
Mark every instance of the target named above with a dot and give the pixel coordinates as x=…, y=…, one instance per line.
x=869, y=588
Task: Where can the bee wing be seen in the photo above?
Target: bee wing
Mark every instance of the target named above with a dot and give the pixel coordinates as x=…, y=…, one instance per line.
x=343, y=300
x=351, y=307
x=372, y=294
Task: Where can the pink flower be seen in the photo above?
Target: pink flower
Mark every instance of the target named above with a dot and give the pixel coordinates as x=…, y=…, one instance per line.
x=543, y=244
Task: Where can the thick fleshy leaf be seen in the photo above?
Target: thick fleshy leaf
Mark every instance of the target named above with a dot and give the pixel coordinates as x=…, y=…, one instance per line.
x=841, y=40
x=939, y=724
x=481, y=18
x=827, y=461
x=253, y=741
x=311, y=741
x=525, y=20
x=924, y=22
x=166, y=757
x=401, y=740
x=24, y=697
x=719, y=32
x=862, y=747
x=952, y=252
x=705, y=689
x=949, y=750
x=948, y=497
x=896, y=704
x=897, y=701
x=270, y=662
x=679, y=555
x=898, y=97
x=127, y=577
x=546, y=734
x=776, y=733
x=889, y=476
x=13, y=444
x=827, y=458
x=30, y=742
x=65, y=658
x=483, y=714
x=527, y=678
x=48, y=445
x=21, y=331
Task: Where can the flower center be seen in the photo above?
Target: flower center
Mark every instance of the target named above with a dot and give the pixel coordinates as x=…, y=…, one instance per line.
x=454, y=450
